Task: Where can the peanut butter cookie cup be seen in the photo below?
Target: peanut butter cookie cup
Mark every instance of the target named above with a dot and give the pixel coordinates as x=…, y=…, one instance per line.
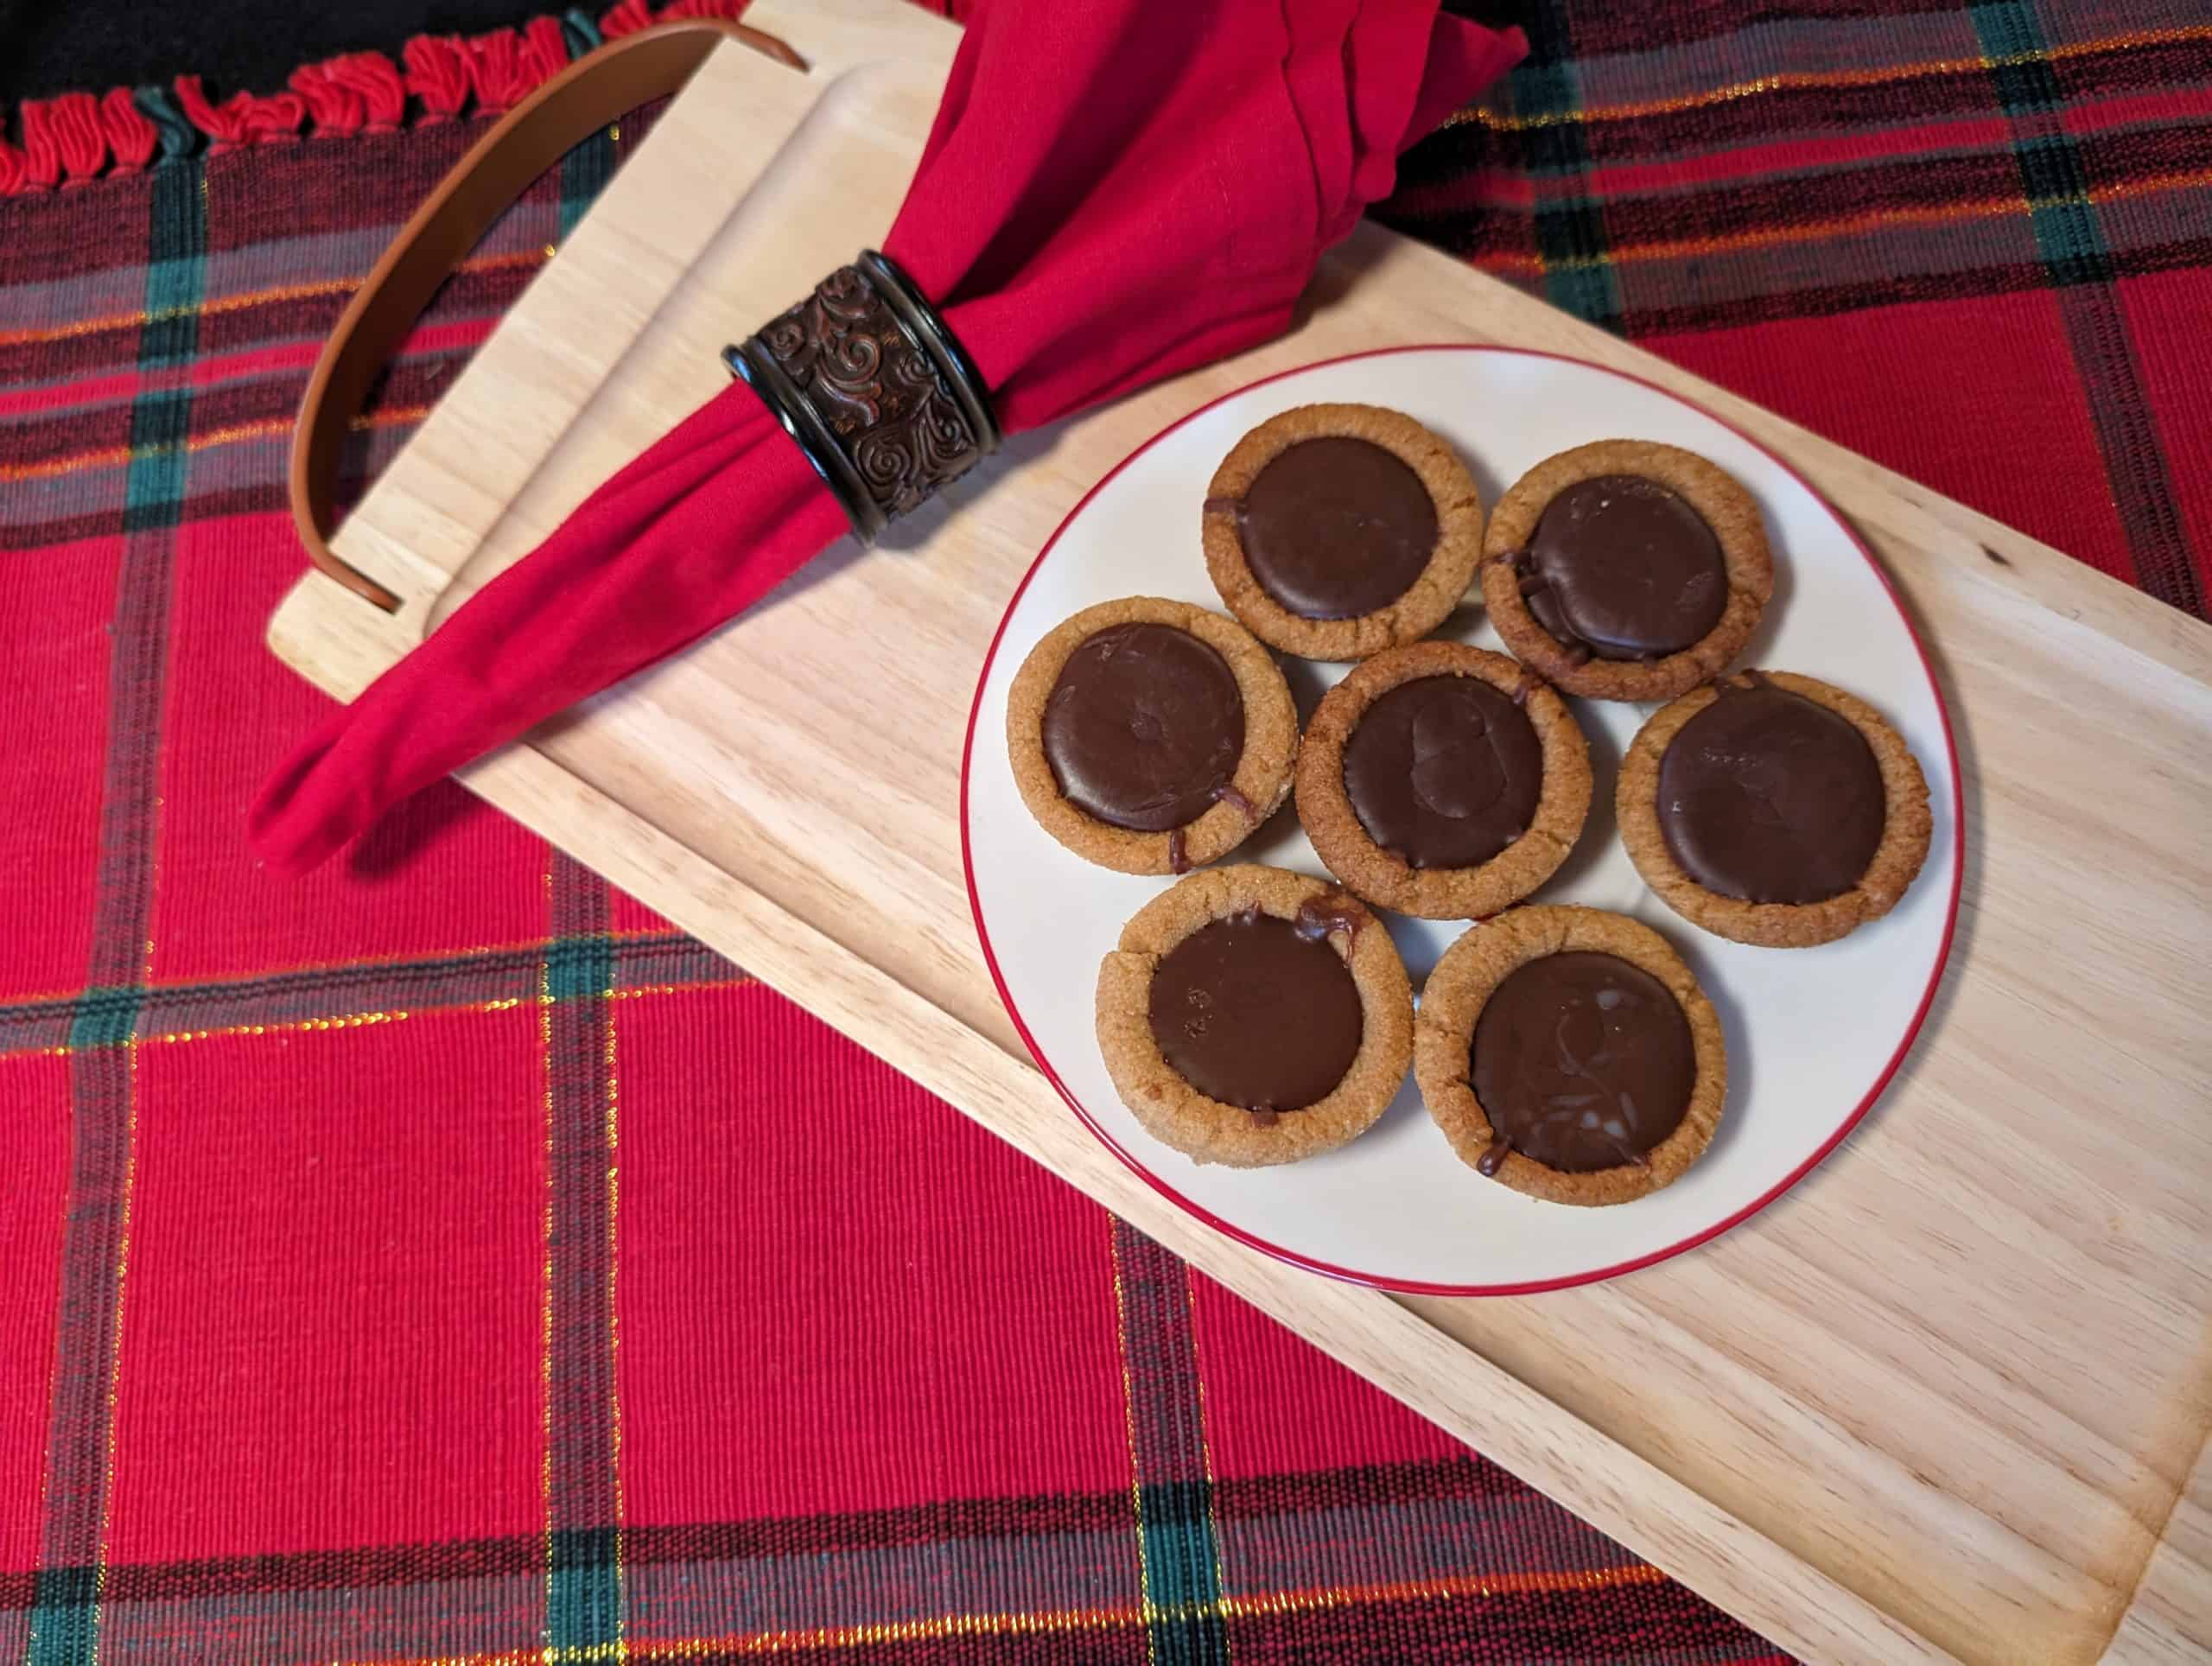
x=1442, y=780
x=1150, y=736
x=1626, y=569
x=1251, y=1015
x=1570, y=1054
x=1773, y=810
x=1335, y=532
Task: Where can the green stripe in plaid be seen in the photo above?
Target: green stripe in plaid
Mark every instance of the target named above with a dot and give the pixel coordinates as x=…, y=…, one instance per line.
x=1035, y=1578
x=584, y=173
x=66, y=1617
x=1181, y=1546
x=583, y=1500
x=366, y=992
x=2070, y=238
x=1570, y=228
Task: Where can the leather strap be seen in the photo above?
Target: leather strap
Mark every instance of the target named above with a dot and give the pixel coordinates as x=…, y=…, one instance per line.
x=595, y=90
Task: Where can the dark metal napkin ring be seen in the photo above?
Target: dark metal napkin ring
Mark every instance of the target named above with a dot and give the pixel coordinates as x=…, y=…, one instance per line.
x=886, y=404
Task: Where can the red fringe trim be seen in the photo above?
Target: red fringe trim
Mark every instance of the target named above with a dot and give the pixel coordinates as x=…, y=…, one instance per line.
x=75, y=137
x=627, y=18
x=131, y=136
x=437, y=75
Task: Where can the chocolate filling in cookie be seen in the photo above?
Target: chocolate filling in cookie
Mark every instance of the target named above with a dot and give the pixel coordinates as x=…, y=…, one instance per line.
x=1336, y=528
x=1771, y=798
x=1252, y=1011
x=1144, y=727
x=1625, y=567
x=1444, y=771
x=1581, y=1061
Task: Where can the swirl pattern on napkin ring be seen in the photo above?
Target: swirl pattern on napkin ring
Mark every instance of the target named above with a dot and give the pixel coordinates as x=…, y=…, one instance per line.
x=882, y=399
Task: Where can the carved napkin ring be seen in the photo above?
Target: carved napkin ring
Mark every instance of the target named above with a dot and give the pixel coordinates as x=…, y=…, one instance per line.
x=865, y=376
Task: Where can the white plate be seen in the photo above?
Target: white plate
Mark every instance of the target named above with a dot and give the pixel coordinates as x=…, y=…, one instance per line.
x=1813, y=1034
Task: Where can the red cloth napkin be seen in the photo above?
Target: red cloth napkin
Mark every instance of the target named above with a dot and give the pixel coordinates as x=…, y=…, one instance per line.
x=1113, y=192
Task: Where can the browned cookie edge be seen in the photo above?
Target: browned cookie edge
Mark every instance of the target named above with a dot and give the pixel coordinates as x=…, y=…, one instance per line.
x=1906, y=825
x=1717, y=496
x=1263, y=773
x=1467, y=976
x=1442, y=584
x=1208, y=1129
x=1344, y=846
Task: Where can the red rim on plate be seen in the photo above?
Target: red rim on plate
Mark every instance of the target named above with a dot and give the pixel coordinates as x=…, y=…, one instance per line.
x=1417, y=1287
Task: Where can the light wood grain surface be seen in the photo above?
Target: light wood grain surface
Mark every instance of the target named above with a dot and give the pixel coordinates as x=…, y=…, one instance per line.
x=1949, y=1396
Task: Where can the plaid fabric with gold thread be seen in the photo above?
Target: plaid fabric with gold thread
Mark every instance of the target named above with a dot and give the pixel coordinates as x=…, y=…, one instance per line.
x=443, y=1259
x=1969, y=240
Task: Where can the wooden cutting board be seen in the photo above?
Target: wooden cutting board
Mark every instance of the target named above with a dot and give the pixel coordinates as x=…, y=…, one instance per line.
x=1948, y=1396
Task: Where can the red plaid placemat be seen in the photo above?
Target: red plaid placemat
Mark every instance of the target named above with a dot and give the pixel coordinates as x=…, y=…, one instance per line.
x=443, y=1258
x=1973, y=241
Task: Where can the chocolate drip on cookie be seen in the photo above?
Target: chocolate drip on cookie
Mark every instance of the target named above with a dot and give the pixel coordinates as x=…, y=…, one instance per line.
x=1332, y=910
